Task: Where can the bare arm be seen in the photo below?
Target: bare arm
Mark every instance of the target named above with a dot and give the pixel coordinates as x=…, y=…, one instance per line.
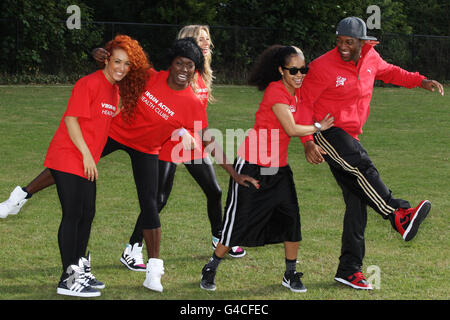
x=217, y=152
x=284, y=115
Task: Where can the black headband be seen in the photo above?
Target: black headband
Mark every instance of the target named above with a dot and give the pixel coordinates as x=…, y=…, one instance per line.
x=188, y=48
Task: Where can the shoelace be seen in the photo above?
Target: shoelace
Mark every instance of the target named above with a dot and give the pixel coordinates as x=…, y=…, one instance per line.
x=404, y=216
x=209, y=275
x=89, y=276
x=296, y=277
x=87, y=271
x=359, y=276
x=403, y=212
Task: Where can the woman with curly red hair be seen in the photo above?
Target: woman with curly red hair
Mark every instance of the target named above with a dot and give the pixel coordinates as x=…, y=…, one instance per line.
x=74, y=152
x=129, y=89
x=133, y=85
x=72, y=159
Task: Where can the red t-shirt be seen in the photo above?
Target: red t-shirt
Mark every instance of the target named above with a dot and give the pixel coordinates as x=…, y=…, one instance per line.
x=267, y=143
x=159, y=113
x=94, y=101
x=171, y=151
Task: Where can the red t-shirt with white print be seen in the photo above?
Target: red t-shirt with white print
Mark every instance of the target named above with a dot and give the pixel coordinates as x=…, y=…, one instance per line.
x=267, y=143
x=94, y=101
x=160, y=112
x=171, y=151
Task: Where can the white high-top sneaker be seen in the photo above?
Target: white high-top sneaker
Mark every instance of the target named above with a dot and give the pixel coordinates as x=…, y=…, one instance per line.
x=14, y=203
x=155, y=269
x=132, y=257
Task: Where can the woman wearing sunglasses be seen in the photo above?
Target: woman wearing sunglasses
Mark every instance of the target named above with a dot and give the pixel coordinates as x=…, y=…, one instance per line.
x=269, y=214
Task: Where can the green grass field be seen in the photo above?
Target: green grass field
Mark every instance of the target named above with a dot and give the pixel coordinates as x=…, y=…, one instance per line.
x=407, y=136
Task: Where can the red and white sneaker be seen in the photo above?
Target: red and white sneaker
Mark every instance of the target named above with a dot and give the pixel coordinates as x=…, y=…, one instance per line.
x=355, y=280
x=407, y=221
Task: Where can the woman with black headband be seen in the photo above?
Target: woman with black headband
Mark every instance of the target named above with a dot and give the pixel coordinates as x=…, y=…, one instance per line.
x=167, y=107
x=197, y=161
x=269, y=214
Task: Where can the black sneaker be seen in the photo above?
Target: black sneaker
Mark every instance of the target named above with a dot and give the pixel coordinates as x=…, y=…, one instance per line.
x=292, y=281
x=76, y=284
x=208, y=276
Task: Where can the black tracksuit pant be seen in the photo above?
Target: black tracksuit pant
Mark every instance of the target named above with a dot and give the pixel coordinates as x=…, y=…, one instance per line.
x=361, y=186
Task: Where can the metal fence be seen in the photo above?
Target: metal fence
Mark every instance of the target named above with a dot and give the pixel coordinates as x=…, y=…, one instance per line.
x=236, y=47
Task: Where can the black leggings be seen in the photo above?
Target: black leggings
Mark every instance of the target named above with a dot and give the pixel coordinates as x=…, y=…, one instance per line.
x=77, y=196
x=145, y=172
x=205, y=176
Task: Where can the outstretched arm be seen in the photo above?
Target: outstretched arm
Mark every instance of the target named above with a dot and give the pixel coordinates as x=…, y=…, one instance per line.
x=217, y=152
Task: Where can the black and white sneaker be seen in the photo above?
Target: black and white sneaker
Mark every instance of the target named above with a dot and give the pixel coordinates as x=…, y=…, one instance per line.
x=208, y=277
x=292, y=281
x=76, y=284
x=93, y=282
x=132, y=257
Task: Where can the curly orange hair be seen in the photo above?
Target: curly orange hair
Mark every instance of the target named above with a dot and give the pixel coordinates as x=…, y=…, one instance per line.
x=133, y=84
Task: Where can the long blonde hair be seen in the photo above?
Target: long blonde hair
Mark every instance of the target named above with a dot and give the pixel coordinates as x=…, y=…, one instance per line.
x=207, y=75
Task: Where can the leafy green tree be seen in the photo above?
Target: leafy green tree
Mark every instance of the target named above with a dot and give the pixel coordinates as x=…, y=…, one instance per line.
x=42, y=42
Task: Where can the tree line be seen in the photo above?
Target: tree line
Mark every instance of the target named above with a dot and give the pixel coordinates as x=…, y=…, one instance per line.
x=36, y=41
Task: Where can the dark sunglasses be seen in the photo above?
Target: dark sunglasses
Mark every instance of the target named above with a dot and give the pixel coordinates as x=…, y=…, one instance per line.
x=294, y=70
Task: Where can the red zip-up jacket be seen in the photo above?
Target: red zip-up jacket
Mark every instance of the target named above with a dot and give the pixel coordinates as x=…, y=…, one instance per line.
x=344, y=89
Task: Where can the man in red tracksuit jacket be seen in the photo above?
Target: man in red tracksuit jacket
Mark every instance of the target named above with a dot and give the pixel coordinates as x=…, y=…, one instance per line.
x=340, y=82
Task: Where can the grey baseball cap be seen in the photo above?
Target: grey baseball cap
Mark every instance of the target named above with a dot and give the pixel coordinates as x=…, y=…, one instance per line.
x=353, y=27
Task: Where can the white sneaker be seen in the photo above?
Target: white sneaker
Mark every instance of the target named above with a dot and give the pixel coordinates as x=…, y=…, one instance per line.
x=155, y=269
x=132, y=257
x=14, y=203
